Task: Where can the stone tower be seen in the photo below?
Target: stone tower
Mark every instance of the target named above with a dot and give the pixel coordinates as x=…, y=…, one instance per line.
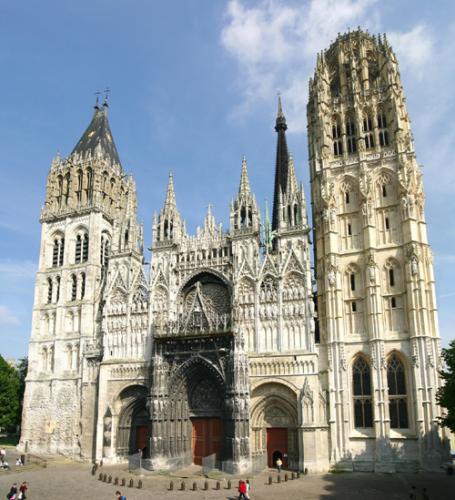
x=88, y=216
x=375, y=282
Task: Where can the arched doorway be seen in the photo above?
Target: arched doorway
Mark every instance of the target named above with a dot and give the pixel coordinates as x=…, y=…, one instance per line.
x=274, y=425
x=133, y=422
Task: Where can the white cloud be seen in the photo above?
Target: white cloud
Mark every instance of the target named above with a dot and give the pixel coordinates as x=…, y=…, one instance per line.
x=413, y=48
x=7, y=317
x=17, y=269
x=275, y=45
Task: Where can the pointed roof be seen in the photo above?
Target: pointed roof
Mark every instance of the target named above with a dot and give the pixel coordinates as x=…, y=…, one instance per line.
x=244, y=187
x=98, y=134
x=292, y=185
x=281, y=167
x=170, y=193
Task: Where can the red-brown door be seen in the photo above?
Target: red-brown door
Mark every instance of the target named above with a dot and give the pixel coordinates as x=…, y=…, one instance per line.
x=207, y=438
x=277, y=445
x=141, y=437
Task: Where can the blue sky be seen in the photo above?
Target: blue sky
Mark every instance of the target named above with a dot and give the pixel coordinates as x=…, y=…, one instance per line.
x=193, y=88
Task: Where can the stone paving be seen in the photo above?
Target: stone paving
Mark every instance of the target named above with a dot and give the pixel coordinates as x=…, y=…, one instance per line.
x=63, y=481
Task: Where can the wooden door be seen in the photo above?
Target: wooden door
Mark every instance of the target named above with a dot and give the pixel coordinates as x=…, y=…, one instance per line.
x=277, y=445
x=141, y=437
x=207, y=438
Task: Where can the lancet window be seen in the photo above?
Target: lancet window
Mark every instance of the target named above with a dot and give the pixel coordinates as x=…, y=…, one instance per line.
x=382, y=129
x=82, y=285
x=57, y=252
x=362, y=394
x=73, y=287
x=398, y=396
x=81, y=251
x=49, y=290
x=351, y=141
x=368, y=131
x=336, y=137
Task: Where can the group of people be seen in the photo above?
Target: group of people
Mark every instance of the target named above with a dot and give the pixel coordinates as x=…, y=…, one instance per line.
x=16, y=493
x=244, y=489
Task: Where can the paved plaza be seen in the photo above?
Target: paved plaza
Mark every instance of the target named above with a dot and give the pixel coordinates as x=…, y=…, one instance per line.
x=63, y=480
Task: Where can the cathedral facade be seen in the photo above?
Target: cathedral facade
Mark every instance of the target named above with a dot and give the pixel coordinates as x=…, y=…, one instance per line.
x=225, y=352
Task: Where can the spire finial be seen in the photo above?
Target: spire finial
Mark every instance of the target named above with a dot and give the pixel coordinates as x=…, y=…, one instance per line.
x=170, y=193
x=244, y=181
x=280, y=118
x=97, y=100
x=107, y=91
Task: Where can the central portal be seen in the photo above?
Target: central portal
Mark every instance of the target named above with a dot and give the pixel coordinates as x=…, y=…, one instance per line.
x=207, y=438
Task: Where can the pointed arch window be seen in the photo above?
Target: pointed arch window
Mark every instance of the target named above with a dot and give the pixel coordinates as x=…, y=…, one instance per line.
x=77, y=257
x=368, y=131
x=57, y=291
x=59, y=190
x=85, y=248
x=336, y=137
x=105, y=247
x=57, y=252
x=382, y=129
x=398, y=396
x=67, y=187
x=73, y=287
x=89, y=184
x=79, y=186
x=49, y=290
x=351, y=141
x=362, y=394
x=82, y=285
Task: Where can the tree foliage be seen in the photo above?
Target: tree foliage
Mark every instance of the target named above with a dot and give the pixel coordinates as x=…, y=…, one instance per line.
x=10, y=401
x=446, y=394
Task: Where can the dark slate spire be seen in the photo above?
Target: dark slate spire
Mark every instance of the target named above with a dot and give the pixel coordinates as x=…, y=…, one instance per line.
x=98, y=133
x=281, y=169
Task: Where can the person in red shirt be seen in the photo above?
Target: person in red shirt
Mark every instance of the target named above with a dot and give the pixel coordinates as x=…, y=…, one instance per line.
x=242, y=490
x=22, y=490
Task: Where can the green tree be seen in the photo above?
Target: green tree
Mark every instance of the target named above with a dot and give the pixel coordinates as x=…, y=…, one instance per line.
x=9, y=396
x=446, y=394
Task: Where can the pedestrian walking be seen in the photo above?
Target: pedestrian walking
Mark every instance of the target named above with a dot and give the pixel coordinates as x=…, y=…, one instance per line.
x=2, y=454
x=248, y=488
x=23, y=490
x=425, y=495
x=242, y=490
x=279, y=464
x=119, y=496
x=12, y=495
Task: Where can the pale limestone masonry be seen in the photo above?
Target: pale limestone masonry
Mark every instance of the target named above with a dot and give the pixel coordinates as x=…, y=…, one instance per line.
x=220, y=351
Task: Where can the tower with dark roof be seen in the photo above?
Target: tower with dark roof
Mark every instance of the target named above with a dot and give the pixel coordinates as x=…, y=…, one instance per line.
x=90, y=236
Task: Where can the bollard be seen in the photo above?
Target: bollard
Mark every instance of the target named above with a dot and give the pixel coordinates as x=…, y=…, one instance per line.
x=100, y=477
x=270, y=479
x=297, y=475
x=194, y=486
x=218, y=485
x=229, y=484
x=171, y=486
x=116, y=481
x=285, y=477
x=139, y=484
x=123, y=481
x=109, y=479
x=131, y=483
x=206, y=485
x=183, y=486
x=292, y=475
x=278, y=478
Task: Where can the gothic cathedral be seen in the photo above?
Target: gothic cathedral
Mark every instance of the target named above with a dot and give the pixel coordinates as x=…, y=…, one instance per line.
x=224, y=354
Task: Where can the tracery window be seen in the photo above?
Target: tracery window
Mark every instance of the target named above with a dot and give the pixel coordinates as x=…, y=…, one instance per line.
x=89, y=184
x=57, y=294
x=79, y=186
x=382, y=129
x=368, y=131
x=350, y=136
x=362, y=394
x=398, y=397
x=336, y=137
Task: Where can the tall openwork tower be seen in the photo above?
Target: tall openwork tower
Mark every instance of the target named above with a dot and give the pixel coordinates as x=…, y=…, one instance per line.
x=375, y=282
